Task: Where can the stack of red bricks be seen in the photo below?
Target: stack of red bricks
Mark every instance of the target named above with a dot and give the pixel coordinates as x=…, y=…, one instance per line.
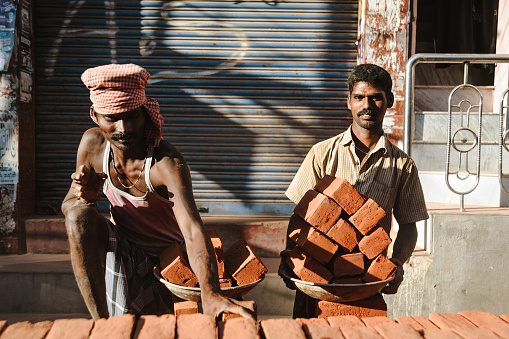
x=470, y=324
x=338, y=237
x=238, y=266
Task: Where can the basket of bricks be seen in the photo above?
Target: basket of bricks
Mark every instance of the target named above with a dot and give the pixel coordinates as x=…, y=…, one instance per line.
x=340, y=247
x=239, y=270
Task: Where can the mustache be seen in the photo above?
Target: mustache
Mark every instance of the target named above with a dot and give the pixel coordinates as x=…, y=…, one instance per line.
x=123, y=136
x=365, y=111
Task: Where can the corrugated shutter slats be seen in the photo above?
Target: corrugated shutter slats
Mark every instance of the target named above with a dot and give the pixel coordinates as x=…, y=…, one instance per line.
x=246, y=87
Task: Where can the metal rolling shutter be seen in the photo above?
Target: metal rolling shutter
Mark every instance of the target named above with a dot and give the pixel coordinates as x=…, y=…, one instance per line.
x=245, y=87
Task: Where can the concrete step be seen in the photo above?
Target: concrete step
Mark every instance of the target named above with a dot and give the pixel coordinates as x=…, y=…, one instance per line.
x=433, y=157
x=39, y=283
x=436, y=98
x=429, y=143
x=42, y=286
x=432, y=126
x=487, y=193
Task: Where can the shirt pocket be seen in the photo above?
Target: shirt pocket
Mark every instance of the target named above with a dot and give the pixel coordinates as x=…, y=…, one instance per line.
x=384, y=196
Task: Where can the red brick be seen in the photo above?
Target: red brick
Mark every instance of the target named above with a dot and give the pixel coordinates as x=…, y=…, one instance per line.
x=373, y=321
x=243, y=264
x=357, y=332
x=321, y=331
x=318, y=210
x=370, y=307
x=307, y=268
x=3, y=324
x=350, y=264
x=174, y=266
x=505, y=317
x=501, y=331
x=345, y=235
x=196, y=326
x=249, y=304
x=345, y=320
x=185, y=307
x=119, y=327
x=281, y=329
x=419, y=323
x=304, y=321
x=71, y=329
x=26, y=329
x=240, y=328
x=347, y=280
x=380, y=269
x=312, y=241
x=460, y=325
x=397, y=331
x=476, y=333
x=225, y=282
x=483, y=319
x=154, y=327
x=374, y=243
x=436, y=333
x=366, y=218
x=342, y=192
x=451, y=321
x=218, y=250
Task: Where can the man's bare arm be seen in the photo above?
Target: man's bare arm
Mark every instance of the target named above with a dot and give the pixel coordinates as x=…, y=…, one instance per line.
x=404, y=246
x=86, y=183
x=86, y=228
x=199, y=247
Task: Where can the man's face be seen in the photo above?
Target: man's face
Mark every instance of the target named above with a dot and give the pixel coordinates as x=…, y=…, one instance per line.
x=368, y=104
x=123, y=130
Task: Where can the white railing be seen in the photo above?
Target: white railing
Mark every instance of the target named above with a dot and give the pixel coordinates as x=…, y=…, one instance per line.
x=465, y=114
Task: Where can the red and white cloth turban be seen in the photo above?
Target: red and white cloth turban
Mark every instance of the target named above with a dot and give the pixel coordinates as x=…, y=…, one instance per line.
x=118, y=88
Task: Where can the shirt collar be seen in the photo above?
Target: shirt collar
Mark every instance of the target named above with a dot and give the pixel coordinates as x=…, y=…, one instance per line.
x=381, y=144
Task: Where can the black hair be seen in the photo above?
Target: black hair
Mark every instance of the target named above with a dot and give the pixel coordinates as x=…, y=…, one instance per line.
x=371, y=74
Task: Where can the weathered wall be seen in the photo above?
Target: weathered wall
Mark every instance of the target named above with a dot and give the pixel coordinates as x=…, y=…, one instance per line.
x=383, y=30
x=9, y=168
x=17, y=121
x=467, y=268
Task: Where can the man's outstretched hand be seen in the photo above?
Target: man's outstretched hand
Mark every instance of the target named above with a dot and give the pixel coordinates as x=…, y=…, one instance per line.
x=217, y=304
x=86, y=183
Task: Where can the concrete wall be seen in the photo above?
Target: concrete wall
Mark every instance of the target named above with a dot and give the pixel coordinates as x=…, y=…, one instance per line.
x=467, y=267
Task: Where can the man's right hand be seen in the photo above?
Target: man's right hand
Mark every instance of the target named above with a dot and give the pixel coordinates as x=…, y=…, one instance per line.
x=285, y=271
x=86, y=183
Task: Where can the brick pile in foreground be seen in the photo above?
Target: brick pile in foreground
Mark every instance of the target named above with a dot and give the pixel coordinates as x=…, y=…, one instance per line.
x=339, y=240
x=462, y=325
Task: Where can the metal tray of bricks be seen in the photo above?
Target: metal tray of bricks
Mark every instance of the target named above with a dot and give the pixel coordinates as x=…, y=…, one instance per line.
x=194, y=293
x=339, y=292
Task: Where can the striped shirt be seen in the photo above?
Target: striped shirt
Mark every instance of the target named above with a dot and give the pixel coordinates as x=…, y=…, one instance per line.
x=388, y=176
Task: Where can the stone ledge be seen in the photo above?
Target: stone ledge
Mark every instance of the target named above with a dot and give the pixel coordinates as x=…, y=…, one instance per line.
x=47, y=234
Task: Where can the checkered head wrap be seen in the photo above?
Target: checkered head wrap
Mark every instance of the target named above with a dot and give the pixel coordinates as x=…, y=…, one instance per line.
x=118, y=88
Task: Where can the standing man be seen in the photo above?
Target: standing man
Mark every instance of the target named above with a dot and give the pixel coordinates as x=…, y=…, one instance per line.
x=371, y=163
x=148, y=185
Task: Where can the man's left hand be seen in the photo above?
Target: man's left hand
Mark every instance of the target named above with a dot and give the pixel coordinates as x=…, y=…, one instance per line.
x=216, y=304
x=393, y=286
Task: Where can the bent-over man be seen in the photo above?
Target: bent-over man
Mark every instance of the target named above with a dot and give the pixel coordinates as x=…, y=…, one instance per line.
x=148, y=186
